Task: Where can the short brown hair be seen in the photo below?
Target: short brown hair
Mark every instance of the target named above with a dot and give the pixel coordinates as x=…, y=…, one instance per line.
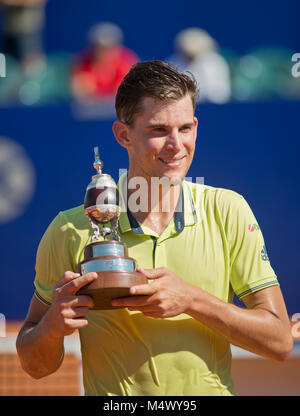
x=155, y=79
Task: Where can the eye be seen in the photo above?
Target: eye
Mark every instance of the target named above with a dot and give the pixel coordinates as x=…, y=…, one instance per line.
x=185, y=129
x=159, y=130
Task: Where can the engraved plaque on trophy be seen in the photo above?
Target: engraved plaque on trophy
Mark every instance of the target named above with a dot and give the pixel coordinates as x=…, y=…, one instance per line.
x=108, y=258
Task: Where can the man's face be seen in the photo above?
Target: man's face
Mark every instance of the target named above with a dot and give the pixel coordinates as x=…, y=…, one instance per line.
x=161, y=141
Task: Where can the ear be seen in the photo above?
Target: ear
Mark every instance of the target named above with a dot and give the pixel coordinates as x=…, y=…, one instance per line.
x=196, y=125
x=120, y=131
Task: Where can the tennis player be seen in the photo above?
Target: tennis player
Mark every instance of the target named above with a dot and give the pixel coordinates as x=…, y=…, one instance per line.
x=174, y=337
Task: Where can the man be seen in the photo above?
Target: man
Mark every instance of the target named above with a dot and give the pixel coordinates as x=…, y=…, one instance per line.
x=196, y=51
x=173, y=336
x=23, y=25
x=99, y=70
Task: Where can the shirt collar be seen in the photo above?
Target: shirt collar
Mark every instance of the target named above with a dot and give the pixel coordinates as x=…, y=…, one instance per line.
x=185, y=213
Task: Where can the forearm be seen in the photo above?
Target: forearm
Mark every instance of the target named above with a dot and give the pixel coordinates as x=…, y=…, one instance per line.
x=40, y=352
x=256, y=330
x=262, y=328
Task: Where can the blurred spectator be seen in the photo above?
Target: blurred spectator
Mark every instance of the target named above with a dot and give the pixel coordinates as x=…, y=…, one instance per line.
x=28, y=71
x=197, y=52
x=23, y=22
x=99, y=70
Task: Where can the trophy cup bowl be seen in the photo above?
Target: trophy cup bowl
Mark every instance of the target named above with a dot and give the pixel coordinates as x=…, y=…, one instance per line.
x=108, y=258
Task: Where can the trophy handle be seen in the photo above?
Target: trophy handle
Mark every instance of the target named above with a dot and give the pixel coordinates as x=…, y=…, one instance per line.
x=114, y=226
x=104, y=231
x=96, y=235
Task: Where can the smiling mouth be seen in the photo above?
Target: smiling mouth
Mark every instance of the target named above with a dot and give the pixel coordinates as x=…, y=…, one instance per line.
x=175, y=162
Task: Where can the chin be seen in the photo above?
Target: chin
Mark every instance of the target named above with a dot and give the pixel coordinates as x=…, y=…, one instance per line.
x=173, y=178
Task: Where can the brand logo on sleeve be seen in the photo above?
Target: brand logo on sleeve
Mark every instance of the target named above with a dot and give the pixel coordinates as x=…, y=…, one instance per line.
x=253, y=227
x=264, y=254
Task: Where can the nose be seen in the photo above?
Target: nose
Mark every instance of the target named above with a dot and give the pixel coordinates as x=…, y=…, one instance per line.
x=174, y=141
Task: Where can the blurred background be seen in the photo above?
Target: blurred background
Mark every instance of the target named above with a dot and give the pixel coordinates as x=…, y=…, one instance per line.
x=60, y=65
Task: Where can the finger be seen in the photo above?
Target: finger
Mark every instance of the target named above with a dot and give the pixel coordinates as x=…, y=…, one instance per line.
x=147, y=311
x=147, y=289
x=76, y=323
x=152, y=273
x=76, y=301
x=75, y=284
x=144, y=309
x=79, y=312
x=66, y=277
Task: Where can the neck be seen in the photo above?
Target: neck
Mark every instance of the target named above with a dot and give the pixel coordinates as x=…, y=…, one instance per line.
x=152, y=202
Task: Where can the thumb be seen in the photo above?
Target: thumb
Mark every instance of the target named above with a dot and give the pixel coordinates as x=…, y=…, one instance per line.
x=152, y=273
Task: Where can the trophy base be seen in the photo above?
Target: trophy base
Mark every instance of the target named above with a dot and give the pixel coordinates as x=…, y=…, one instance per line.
x=111, y=285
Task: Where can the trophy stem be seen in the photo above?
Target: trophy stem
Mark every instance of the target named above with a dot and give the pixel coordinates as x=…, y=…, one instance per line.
x=98, y=164
x=95, y=226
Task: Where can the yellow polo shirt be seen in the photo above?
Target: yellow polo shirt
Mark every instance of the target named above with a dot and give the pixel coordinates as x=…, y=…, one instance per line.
x=214, y=242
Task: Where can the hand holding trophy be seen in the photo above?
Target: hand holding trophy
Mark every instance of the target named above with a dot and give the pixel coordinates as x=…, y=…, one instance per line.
x=108, y=258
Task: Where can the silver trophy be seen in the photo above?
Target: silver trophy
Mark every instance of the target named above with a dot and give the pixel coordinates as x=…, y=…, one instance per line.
x=106, y=254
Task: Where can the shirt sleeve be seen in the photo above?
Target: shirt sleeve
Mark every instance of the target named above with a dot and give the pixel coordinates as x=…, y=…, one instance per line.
x=250, y=265
x=54, y=257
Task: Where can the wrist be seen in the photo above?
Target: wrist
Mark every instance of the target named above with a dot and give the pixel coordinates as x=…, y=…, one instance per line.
x=195, y=300
x=49, y=329
x=190, y=299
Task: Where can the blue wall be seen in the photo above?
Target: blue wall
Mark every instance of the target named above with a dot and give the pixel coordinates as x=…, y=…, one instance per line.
x=250, y=148
x=150, y=27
